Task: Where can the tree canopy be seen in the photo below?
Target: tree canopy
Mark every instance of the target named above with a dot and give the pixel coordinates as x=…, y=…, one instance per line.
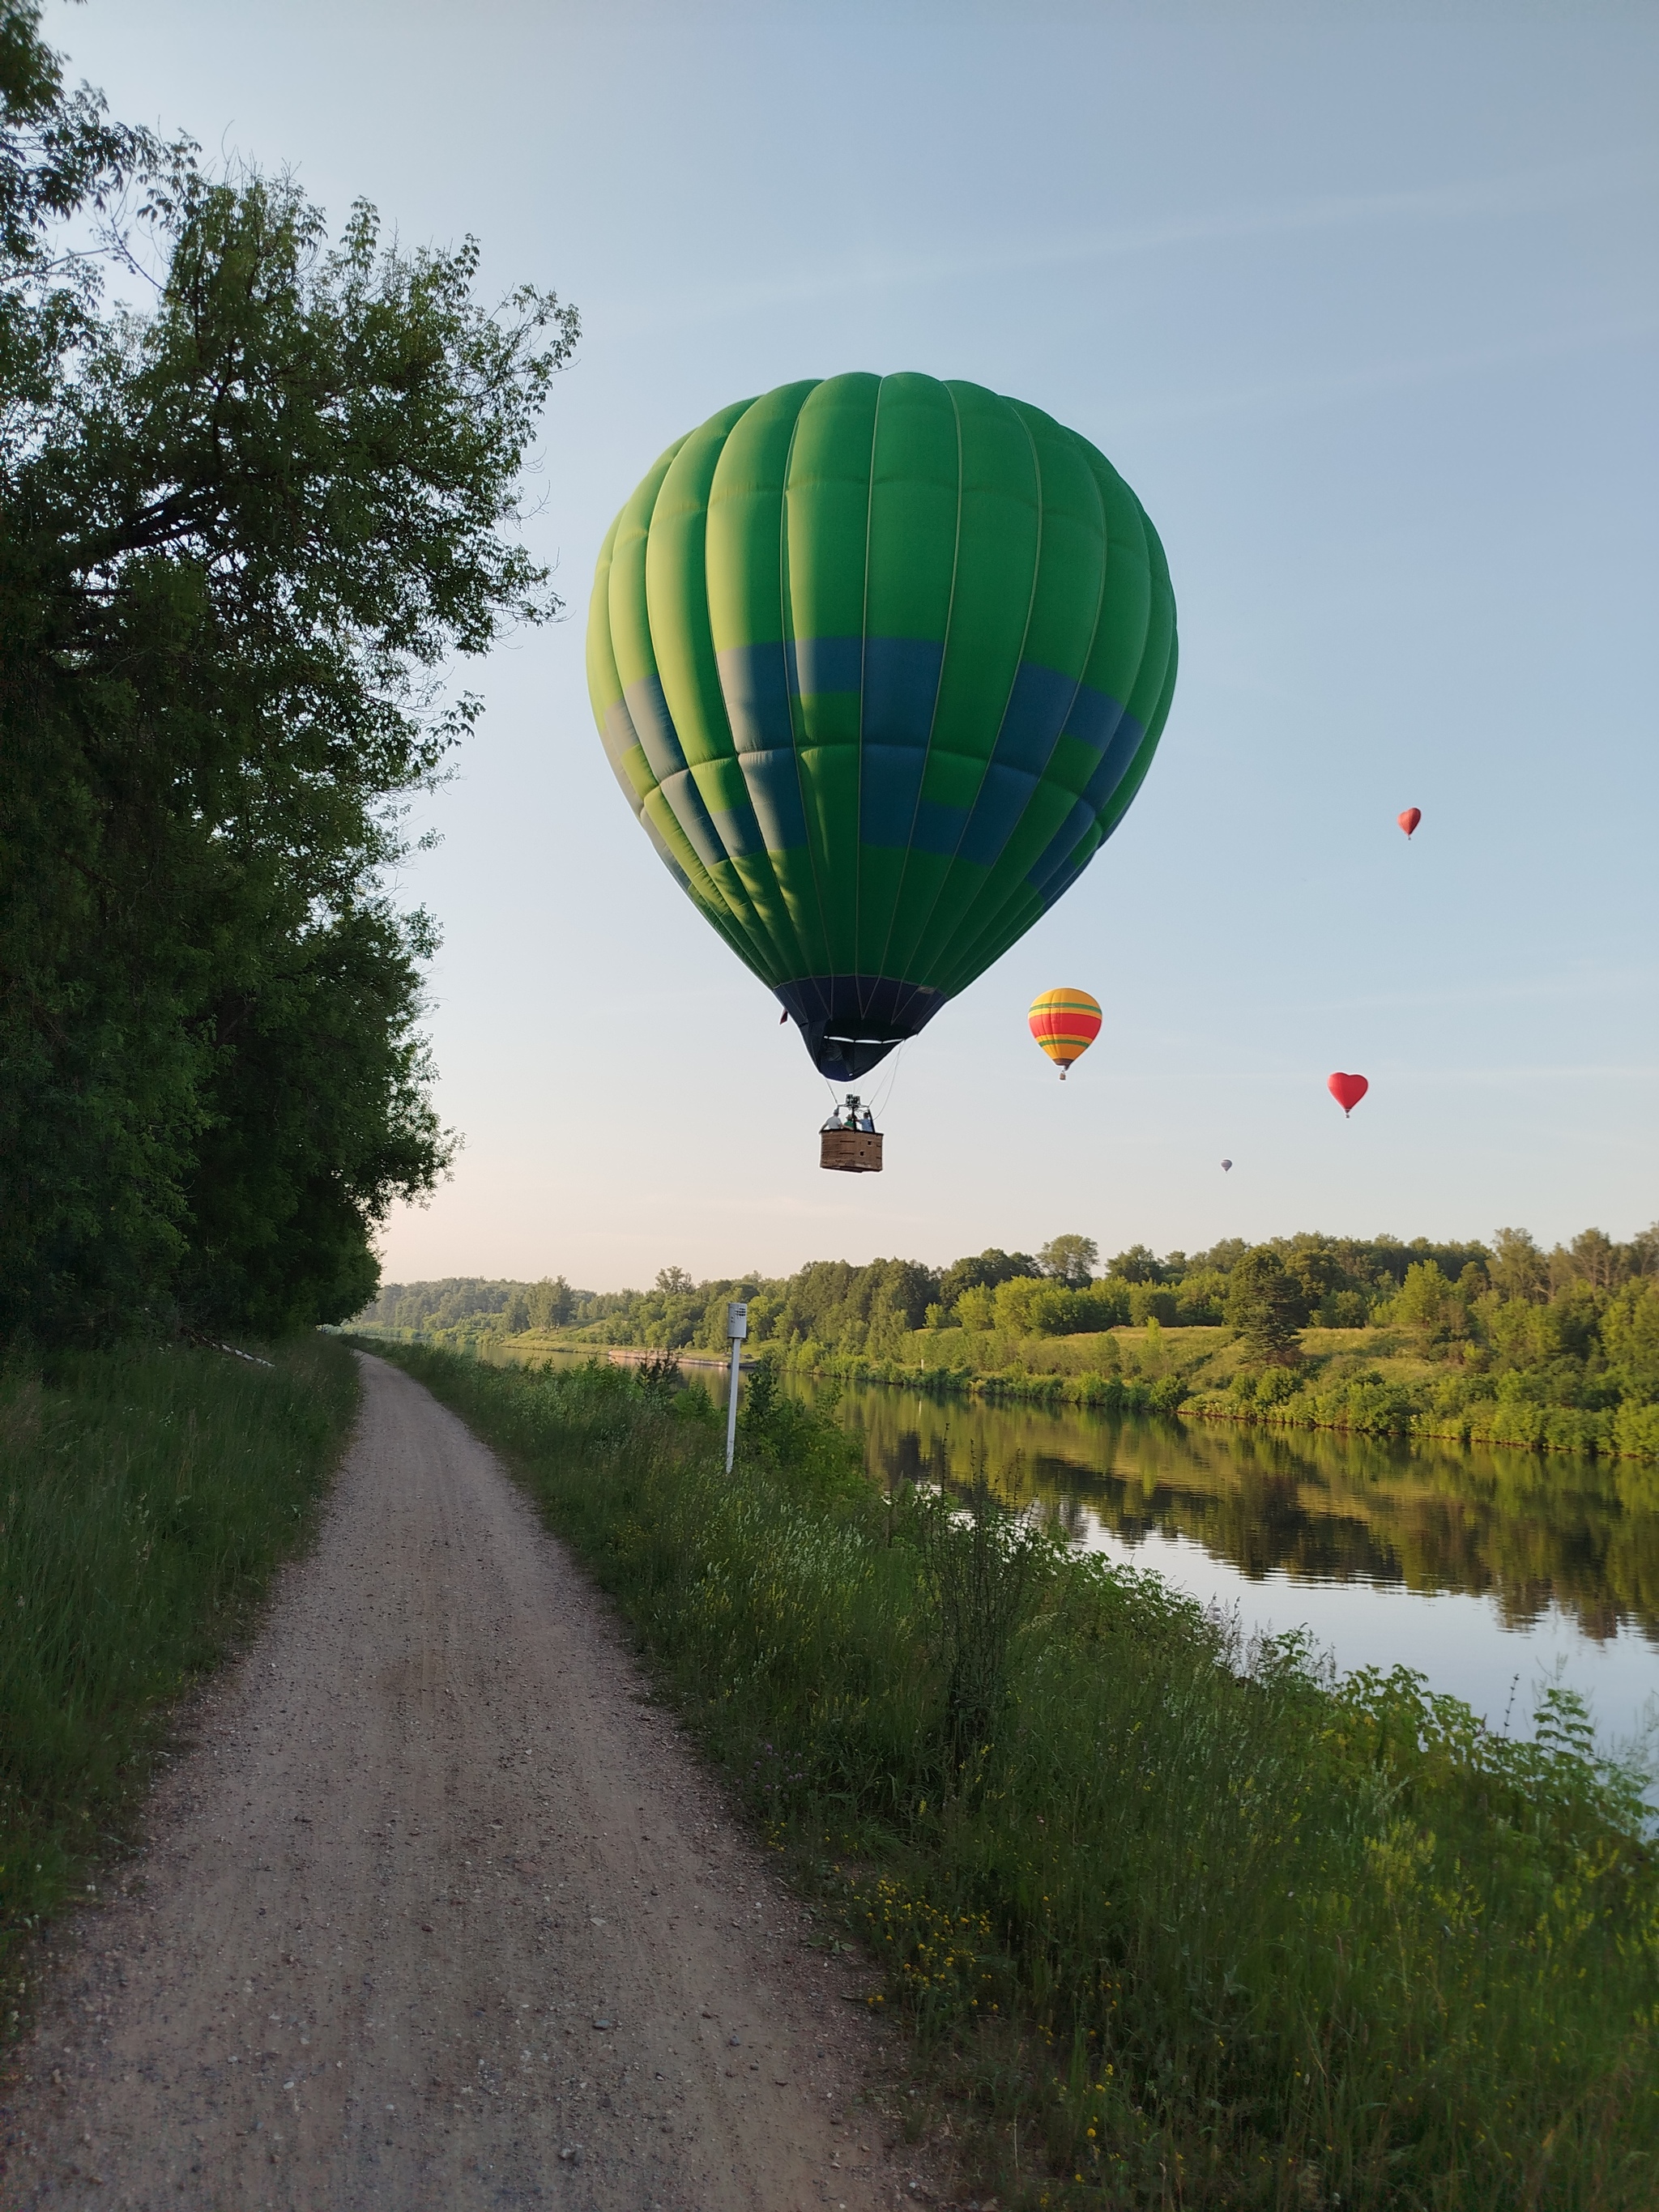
x=244, y=527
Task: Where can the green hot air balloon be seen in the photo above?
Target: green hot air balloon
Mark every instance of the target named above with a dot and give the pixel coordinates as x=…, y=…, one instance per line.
x=880, y=663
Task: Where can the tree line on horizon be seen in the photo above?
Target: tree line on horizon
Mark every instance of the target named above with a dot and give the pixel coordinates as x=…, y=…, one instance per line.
x=1268, y=1292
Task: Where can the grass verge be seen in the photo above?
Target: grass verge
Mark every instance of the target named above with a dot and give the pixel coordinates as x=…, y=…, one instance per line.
x=146, y=1496
x=1187, y=1925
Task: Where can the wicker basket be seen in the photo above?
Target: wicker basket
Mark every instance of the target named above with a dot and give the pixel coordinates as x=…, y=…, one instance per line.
x=853, y=1151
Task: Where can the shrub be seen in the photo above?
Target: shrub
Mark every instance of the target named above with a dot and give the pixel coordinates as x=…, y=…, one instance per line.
x=1152, y=1302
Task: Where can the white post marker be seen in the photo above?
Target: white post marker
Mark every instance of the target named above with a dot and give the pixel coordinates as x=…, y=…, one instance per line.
x=737, y=1327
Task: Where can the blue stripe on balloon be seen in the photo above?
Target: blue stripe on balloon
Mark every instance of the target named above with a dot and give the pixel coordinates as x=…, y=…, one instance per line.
x=938, y=828
x=1004, y=796
x=824, y=664
x=737, y=828
x=655, y=725
x=620, y=738
x=686, y=802
x=755, y=680
x=1038, y=707
x=774, y=781
x=899, y=679
x=901, y=689
x=662, y=853
x=1127, y=738
x=1094, y=717
x=890, y=784
x=1061, y=847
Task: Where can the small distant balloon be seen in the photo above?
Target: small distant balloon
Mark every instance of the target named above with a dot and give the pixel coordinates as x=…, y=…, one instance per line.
x=1410, y=818
x=1347, y=1090
x=1226, y=1167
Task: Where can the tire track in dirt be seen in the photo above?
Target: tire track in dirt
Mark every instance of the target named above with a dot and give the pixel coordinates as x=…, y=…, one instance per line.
x=439, y=1910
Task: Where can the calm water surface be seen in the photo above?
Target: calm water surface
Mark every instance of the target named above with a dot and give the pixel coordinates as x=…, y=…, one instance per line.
x=1495, y=1573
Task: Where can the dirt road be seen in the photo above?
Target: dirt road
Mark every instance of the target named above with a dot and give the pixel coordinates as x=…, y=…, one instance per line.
x=439, y=1911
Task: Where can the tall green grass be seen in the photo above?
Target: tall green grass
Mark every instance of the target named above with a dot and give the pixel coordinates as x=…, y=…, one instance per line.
x=1191, y=1926
x=146, y=1496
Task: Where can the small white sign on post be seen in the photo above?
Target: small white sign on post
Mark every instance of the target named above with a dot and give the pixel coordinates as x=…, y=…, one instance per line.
x=737, y=1328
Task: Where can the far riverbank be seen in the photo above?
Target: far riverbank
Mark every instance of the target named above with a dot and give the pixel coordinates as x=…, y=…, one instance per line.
x=1368, y=1381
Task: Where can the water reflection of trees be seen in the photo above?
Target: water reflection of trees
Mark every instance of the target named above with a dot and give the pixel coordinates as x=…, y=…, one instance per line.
x=1530, y=1532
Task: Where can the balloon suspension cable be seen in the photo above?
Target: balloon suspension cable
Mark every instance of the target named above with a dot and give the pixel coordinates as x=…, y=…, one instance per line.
x=878, y=1105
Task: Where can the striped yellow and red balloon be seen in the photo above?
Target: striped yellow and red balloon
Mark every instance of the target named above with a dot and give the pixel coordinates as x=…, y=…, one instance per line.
x=1065, y=1023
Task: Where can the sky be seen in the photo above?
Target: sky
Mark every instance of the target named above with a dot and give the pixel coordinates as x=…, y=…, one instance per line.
x=1363, y=301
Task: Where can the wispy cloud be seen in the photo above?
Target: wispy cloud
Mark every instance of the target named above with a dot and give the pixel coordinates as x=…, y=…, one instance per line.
x=1481, y=199
x=1409, y=371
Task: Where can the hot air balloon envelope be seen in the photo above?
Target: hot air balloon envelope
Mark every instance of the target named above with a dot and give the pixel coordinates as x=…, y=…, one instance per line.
x=1228, y=1166
x=1065, y=1023
x=1346, y=1089
x=1410, y=818
x=880, y=663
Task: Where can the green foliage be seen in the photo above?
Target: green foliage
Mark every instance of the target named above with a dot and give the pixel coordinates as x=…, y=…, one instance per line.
x=1137, y=1265
x=1070, y=1260
x=1196, y=1911
x=980, y=1569
x=1563, y=1370
x=984, y=1271
x=1076, y=1313
x=1266, y=1306
x=1011, y=1303
x=1630, y=1334
x=239, y=532
x=146, y=1498
x=1153, y=1302
x=1201, y=1299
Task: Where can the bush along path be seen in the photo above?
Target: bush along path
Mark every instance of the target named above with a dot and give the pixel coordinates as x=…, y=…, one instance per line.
x=1180, y=1924
x=147, y=1497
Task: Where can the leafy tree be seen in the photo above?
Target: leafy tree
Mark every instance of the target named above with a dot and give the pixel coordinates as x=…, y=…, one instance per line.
x=1517, y=1268
x=674, y=1281
x=1594, y=1258
x=239, y=532
x=1265, y=1308
x=1011, y=1301
x=1140, y=1264
x=1201, y=1297
x=1630, y=1331
x=1436, y=1308
x=1222, y=1258
x=984, y=1271
x=1054, y=1312
x=1070, y=1260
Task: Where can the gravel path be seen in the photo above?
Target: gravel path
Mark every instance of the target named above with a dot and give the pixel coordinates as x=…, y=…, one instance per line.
x=439, y=1911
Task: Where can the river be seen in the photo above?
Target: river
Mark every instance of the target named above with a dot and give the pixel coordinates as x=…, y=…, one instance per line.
x=1494, y=1572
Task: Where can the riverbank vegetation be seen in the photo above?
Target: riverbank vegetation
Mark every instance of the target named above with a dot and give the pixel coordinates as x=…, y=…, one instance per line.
x=1501, y=1343
x=1180, y=1923
x=147, y=1495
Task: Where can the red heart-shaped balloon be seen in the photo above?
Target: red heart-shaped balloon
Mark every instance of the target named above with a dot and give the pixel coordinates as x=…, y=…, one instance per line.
x=1346, y=1089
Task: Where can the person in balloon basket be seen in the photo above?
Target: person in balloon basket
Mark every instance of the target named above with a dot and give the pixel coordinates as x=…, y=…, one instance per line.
x=864, y=1123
